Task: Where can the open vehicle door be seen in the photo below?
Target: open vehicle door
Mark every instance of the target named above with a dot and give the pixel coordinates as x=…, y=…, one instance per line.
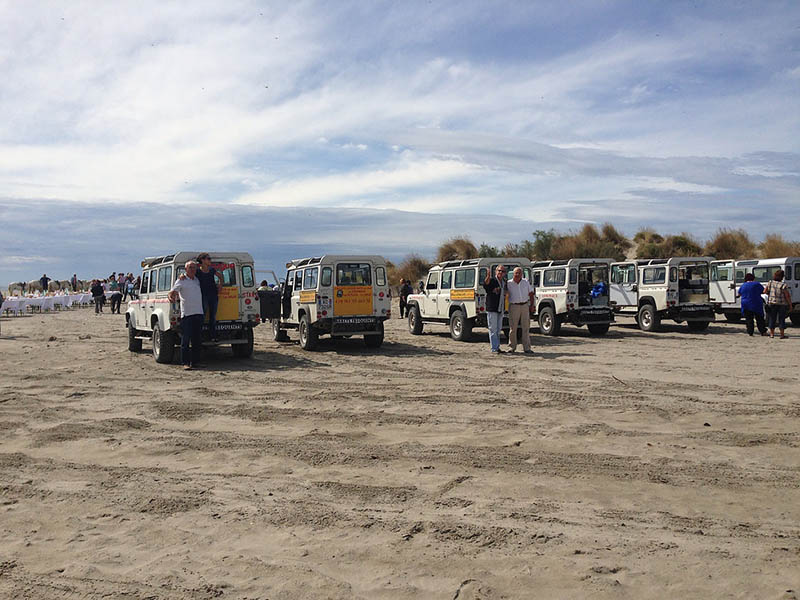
x=722, y=287
x=623, y=289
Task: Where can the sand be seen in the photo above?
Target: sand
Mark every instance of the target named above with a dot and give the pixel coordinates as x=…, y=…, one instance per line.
x=631, y=466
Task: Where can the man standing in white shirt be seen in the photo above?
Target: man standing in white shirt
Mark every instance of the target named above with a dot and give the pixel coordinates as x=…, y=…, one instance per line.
x=520, y=297
x=188, y=290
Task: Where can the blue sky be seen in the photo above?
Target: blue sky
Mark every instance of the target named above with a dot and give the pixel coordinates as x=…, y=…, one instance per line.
x=291, y=128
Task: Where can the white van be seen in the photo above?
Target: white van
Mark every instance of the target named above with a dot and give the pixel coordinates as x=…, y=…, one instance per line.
x=674, y=288
x=153, y=317
x=572, y=291
x=334, y=294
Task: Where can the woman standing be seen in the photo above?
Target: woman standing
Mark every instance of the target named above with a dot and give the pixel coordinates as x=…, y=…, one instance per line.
x=778, y=302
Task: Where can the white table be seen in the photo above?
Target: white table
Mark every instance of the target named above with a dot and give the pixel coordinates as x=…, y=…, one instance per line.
x=13, y=304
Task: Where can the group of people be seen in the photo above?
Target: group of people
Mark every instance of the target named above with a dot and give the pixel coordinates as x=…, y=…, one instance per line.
x=120, y=286
x=778, y=302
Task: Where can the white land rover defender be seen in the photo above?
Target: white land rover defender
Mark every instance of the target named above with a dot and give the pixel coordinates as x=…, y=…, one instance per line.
x=727, y=277
x=153, y=317
x=663, y=288
x=338, y=295
x=572, y=291
x=453, y=295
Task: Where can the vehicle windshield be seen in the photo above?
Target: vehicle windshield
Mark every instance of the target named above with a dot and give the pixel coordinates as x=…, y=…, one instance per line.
x=353, y=274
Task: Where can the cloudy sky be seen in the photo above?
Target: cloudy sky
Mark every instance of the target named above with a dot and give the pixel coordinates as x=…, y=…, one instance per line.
x=288, y=128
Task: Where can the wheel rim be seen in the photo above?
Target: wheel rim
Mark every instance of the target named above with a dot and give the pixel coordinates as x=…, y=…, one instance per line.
x=547, y=321
x=413, y=318
x=275, y=328
x=457, y=327
x=303, y=333
x=157, y=342
x=647, y=318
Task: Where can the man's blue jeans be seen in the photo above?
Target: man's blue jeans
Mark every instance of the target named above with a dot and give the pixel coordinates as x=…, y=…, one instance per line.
x=495, y=323
x=210, y=304
x=191, y=332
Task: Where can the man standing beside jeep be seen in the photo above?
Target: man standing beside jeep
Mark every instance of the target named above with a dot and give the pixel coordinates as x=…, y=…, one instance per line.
x=188, y=290
x=495, y=305
x=520, y=297
x=210, y=284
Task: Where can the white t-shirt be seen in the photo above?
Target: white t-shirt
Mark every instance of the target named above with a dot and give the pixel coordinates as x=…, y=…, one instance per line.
x=518, y=292
x=191, y=296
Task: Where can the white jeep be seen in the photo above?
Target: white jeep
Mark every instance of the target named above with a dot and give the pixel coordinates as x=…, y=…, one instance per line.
x=727, y=277
x=153, y=317
x=337, y=295
x=572, y=291
x=453, y=295
x=674, y=288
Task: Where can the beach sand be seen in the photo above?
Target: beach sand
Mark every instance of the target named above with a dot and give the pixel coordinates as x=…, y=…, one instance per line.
x=630, y=466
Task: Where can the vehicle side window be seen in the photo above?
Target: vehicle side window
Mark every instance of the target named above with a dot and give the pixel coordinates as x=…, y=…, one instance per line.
x=623, y=274
x=153, y=280
x=465, y=278
x=673, y=274
x=573, y=276
x=145, y=282
x=380, y=276
x=723, y=273
x=526, y=273
x=537, y=279
x=764, y=274
x=164, y=279
x=298, y=280
x=788, y=273
x=447, y=278
x=740, y=275
x=555, y=277
x=433, y=281
x=310, y=279
x=482, y=274
x=654, y=275
x=247, y=276
x=326, y=276
x=353, y=274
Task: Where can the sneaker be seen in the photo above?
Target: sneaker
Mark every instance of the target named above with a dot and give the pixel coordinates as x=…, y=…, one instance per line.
x=187, y=367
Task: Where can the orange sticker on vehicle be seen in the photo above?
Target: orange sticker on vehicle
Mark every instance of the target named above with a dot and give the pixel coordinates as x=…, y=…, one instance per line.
x=351, y=300
x=308, y=297
x=462, y=294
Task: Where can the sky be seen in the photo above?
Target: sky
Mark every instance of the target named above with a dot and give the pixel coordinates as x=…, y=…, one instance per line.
x=288, y=129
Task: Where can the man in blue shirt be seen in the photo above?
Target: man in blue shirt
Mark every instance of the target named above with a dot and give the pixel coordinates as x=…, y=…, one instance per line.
x=752, y=304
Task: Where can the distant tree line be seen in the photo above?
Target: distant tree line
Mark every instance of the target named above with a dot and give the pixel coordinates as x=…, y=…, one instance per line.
x=604, y=242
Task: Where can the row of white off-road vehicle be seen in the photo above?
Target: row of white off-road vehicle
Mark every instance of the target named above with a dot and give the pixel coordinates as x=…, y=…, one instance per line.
x=349, y=295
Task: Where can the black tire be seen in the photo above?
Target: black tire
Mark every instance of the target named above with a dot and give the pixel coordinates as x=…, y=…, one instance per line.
x=244, y=350
x=134, y=345
x=278, y=334
x=795, y=319
x=308, y=335
x=598, y=328
x=374, y=341
x=697, y=325
x=460, y=326
x=549, y=321
x=649, y=319
x=163, y=345
x=733, y=317
x=414, y=320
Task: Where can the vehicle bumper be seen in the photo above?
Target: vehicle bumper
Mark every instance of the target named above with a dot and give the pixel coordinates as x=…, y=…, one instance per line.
x=693, y=312
x=595, y=315
x=350, y=325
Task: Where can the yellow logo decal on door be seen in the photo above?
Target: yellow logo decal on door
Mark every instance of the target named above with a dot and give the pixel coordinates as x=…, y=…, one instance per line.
x=462, y=294
x=351, y=300
x=308, y=297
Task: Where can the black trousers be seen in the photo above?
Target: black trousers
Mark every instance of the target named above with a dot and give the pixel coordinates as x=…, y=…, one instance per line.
x=403, y=307
x=116, y=301
x=749, y=315
x=191, y=330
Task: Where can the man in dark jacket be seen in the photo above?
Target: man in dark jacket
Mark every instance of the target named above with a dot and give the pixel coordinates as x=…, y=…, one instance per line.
x=495, y=305
x=98, y=295
x=44, y=281
x=405, y=292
